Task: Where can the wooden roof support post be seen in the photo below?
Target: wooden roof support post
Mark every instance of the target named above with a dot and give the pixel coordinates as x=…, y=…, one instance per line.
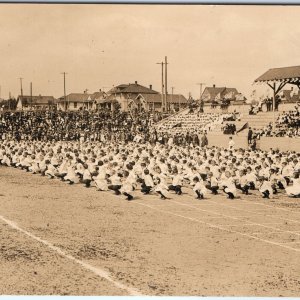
x=273, y=87
x=276, y=90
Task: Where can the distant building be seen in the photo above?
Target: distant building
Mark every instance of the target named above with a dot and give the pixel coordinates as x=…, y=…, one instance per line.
x=79, y=101
x=136, y=97
x=292, y=95
x=36, y=102
x=98, y=99
x=214, y=93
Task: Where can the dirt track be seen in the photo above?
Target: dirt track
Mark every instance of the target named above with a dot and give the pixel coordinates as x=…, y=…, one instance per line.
x=180, y=246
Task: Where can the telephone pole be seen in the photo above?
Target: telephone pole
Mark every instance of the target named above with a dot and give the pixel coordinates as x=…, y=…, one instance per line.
x=162, y=85
x=166, y=82
x=65, y=97
x=30, y=95
x=172, y=94
x=21, y=85
x=200, y=84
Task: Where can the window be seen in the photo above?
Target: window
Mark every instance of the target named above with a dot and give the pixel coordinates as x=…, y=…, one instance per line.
x=75, y=104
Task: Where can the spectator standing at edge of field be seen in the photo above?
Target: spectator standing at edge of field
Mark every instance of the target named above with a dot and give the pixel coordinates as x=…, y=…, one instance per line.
x=204, y=140
x=250, y=135
x=231, y=143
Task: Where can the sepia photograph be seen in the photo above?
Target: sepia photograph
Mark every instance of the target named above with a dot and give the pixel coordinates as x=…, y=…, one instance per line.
x=149, y=150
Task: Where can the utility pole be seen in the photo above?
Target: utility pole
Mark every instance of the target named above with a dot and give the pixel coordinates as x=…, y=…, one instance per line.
x=172, y=94
x=162, y=85
x=30, y=95
x=21, y=85
x=166, y=82
x=65, y=97
x=9, y=100
x=201, y=84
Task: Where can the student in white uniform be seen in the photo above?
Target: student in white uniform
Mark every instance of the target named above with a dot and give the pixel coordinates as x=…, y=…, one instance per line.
x=294, y=189
x=50, y=171
x=266, y=188
x=228, y=185
x=71, y=176
x=115, y=182
x=199, y=188
x=242, y=182
x=161, y=185
x=126, y=188
x=147, y=183
x=177, y=182
x=100, y=178
x=212, y=183
x=86, y=176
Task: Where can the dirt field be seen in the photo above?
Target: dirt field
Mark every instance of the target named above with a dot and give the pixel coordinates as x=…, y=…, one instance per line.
x=57, y=239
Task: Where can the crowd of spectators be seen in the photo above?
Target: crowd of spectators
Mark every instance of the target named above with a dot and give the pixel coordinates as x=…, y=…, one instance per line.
x=267, y=103
x=72, y=126
x=287, y=125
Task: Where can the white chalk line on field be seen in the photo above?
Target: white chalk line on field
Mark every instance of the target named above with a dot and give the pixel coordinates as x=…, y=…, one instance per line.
x=272, y=206
x=237, y=218
x=252, y=202
x=256, y=213
x=97, y=271
x=250, y=224
x=248, y=202
x=219, y=227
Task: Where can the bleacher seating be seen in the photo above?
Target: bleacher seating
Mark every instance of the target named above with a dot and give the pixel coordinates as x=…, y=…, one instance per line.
x=287, y=125
x=186, y=121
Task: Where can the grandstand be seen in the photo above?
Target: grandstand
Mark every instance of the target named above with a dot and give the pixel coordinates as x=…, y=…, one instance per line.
x=189, y=121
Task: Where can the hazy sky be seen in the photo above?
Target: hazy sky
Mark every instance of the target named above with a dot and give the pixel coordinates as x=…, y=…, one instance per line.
x=105, y=45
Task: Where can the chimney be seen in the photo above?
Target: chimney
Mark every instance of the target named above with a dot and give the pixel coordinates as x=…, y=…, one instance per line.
x=100, y=90
x=150, y=86
x=135, y=82
x=214, y=85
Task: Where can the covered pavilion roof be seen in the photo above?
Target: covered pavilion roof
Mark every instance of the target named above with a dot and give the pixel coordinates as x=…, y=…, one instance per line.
x=290, y=75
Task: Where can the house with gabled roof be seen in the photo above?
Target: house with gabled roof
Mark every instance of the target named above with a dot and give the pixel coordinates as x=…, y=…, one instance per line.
x=36, y=102
x=214, y=93
x=75, y=101
x=137, y=96
x=79, y=101
x=290, y=95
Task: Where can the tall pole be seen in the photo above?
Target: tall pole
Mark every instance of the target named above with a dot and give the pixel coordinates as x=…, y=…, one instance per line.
x=65, y=97
x=166, y=82
x=200, y=84
x=274, y=95
x=162, y=85
x=21, y=85
x=172, y=94
x=9, y=100
x=31, y=95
